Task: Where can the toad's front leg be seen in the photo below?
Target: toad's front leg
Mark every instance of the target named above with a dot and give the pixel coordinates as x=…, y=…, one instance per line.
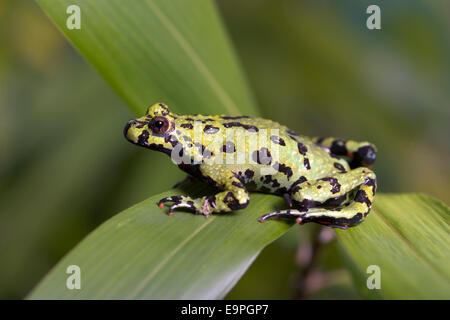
x=233, y=197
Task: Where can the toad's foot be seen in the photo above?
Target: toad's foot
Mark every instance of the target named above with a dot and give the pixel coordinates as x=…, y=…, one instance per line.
x=198, y=206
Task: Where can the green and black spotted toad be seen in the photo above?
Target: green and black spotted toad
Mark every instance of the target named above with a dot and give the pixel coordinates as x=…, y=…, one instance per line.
x=324, y=180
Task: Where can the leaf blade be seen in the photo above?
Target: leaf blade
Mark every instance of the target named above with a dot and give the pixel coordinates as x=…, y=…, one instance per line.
x=406, y=235
x=153, y=51
x=153, y=256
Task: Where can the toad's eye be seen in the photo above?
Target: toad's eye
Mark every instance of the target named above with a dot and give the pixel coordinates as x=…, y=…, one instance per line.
x=160, y=125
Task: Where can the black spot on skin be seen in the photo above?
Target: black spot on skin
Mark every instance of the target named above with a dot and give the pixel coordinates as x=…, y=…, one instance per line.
x=295, y=186
x=234, y=118
x=305, y=204
x=238, y=184
x=335, y=186
x=269, y=180
x=200, y=147
x=210, y=129
x=139, y=124
x=338, y=147
x=283, y=168
x=212, y=200
x=334, y=202
x=207, y=153
x=292, y=133
x=194, y=170
x=278, y=140
x=367, y=154
x=281, y=190
x=361, y=196
x=336, y=222
x=275, y=183
x=176, y=199
x=171, y=139
x=249, y=173
x=232, y=203
x=189, y=119
x=187, y=126
x=319, y=141
x=181, y=153
x=143, y=138
x=340, y=167
x=371, y=183
x=262, y=156
x=209, y=119
x=302, y=149
x=159, y=147
x=239, y=176
x=238, y=124
x=229, y=147
x=319, y=187
x=165, y=110
x=306, y=163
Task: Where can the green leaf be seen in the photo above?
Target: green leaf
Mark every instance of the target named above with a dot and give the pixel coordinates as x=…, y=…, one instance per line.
x=142, y=253
x=407, y=236
x=170, y=51
x=176, y=52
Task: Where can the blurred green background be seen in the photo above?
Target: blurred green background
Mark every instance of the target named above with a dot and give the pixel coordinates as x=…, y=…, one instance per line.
x=313, y=65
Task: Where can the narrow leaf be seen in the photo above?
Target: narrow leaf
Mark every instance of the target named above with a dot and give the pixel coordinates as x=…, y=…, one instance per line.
x=142, y=253
x=407, y=237
x=170, y=51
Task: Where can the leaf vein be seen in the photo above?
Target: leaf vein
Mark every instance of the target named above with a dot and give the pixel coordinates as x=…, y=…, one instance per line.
x=407, y=242
x=211, y=80
x=163, y=262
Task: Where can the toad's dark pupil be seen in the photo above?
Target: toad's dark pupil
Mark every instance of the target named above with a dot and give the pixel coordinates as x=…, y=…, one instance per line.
x=159, y=124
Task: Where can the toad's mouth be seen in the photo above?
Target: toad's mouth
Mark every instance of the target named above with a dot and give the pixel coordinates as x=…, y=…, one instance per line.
x=129, y=137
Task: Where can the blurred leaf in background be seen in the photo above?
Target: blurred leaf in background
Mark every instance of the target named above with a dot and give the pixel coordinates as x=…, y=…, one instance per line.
x=313, y=66
x=316, y=67
x=179, y=51
x=60, y=175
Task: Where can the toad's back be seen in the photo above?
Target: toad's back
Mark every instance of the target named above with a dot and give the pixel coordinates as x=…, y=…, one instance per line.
x=265, y=155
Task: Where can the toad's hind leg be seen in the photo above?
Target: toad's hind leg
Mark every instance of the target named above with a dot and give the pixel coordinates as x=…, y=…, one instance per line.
x=361, y=153
x=346, y=214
